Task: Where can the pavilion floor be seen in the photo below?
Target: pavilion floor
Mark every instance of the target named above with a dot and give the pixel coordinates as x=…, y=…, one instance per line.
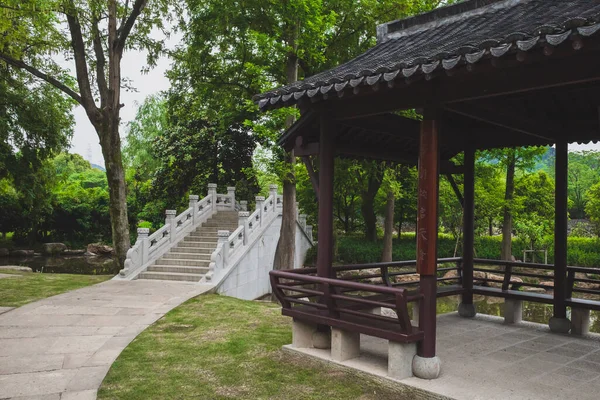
x=482, y=358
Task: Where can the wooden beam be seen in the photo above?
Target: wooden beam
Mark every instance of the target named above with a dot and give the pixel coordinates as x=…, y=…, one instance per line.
x=505, y=119
x=468, y=224
x=486, y=82
x=314, y=179
x=427, y=223
x=326, y=168
x=560, y=230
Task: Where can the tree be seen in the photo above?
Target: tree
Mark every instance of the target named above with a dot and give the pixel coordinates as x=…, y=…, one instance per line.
x=592, y=208
x=523, y=158
x=489, y=196
x=99, y=33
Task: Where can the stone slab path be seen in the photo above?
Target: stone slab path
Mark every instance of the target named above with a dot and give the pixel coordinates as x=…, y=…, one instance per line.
x=62, y=347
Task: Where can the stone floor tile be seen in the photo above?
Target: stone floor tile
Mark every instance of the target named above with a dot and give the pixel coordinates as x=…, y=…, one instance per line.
x=88, y=378
x=36, y=363
x=80, y=395
x=34, y=384
x=24, y=347
x=78, y=344
x=76, y=360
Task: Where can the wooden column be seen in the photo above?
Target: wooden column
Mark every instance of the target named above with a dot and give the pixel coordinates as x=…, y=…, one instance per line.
x=326, y=165
x=468, y=224
x=560, y=230
x=427, y=223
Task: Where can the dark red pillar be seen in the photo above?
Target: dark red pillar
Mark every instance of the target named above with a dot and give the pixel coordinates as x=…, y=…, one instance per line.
x=560, y=323
x=326, y=165
x=427, y=223
x=466, y=308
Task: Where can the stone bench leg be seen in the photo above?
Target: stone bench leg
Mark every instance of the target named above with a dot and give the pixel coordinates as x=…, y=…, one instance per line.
x=344, y=344
x=302, y=334
x=415, y=313
x=580, y=321
x=513, y=311
x=400, y=358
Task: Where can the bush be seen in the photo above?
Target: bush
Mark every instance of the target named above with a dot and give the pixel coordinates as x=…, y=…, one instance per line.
x=582, y=251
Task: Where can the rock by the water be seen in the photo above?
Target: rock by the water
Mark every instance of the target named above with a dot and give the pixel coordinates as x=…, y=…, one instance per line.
x=4, y=252
x=74, y=252
x=15, y=268
x=98, y=248
x=407, y=278
x=22, y=253
x=53, y=249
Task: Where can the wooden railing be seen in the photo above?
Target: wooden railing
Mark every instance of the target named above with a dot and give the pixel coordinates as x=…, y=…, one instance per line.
x=345, y=304
x=352, y=289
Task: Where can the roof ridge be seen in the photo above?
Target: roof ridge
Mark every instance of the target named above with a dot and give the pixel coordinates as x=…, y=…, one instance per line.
x=439, y=16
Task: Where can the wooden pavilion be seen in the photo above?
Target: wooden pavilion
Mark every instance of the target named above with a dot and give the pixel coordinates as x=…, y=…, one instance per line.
x=484, y=74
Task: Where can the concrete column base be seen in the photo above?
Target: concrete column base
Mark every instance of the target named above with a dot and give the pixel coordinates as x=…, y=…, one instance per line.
x=321, y=338
x=376, y=311
x=400, y=359
x=513, y=311
x=426, y=368
x=302, y=334
x=559, y=325
x=580, y=321
x=467, y=310
x=345, y=345
x=415, y=311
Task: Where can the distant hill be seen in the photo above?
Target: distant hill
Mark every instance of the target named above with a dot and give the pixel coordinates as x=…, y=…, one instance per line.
x=100, y=167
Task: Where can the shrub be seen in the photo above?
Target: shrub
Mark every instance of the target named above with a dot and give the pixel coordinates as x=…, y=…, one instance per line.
x=582, y=251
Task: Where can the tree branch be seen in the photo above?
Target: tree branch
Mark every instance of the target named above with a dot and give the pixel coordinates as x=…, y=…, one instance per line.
x=125, y=29
x=100, y=63
x=81, y=68
x=45, y=77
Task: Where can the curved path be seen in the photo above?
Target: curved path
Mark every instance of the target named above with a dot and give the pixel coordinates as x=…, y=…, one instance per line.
x=61, y=348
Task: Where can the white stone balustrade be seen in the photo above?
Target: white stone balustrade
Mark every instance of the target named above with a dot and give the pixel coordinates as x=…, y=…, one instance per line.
x=231, y=246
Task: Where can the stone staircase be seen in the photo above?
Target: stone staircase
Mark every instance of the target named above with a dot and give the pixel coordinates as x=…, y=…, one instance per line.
x=190, y=259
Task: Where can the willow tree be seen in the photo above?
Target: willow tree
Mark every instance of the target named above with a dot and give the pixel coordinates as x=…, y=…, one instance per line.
x=93, y=34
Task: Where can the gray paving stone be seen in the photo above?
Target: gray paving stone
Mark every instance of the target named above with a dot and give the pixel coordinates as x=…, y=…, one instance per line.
x=65, y=344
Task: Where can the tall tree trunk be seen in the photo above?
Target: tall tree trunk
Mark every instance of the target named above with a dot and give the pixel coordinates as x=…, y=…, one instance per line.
x=491, y=227
x=111, y=150
x=368, y=203
x=285, y=252
x=388, y=229
x=508, y=196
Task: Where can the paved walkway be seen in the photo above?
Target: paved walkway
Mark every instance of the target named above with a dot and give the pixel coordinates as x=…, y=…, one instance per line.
x=483, y=359
x=61, y=348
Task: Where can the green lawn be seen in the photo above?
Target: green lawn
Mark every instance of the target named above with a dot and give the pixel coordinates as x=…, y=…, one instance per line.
x=26, y=287
x=216, y=347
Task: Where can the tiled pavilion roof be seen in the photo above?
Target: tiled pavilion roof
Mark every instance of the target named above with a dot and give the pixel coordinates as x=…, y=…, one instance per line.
x=445, y=38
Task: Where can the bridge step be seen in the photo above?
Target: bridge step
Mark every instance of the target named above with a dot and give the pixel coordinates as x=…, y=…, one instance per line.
x=203, y=238
x=178, y=270
x=171, y=276
x=182, y=263
x=197, y=244
x=193, y=250
x=181, y=255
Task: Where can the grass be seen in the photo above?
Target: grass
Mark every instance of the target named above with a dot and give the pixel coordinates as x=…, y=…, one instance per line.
x=26, y=287
x=216, y=347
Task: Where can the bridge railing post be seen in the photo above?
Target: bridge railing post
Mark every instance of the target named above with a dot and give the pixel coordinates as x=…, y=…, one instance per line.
x=223, y=240
x=194, y=206
x=273, y=192
x=169, y=219
x=243, y=205
x=142, y=239
x=243, y=221
x=259, y=206
x=309, y=232
x=212, y=192
x=302, y=221
x=231, y=195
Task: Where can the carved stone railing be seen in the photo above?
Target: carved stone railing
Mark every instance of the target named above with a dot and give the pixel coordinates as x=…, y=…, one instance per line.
x=231, y=246
x=149, y=248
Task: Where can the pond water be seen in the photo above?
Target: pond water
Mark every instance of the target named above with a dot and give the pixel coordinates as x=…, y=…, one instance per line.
x=533, y=312
x=66, y=264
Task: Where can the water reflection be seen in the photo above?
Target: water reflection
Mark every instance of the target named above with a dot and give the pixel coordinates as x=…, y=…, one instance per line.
x=66, y=264
x=533, y=312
